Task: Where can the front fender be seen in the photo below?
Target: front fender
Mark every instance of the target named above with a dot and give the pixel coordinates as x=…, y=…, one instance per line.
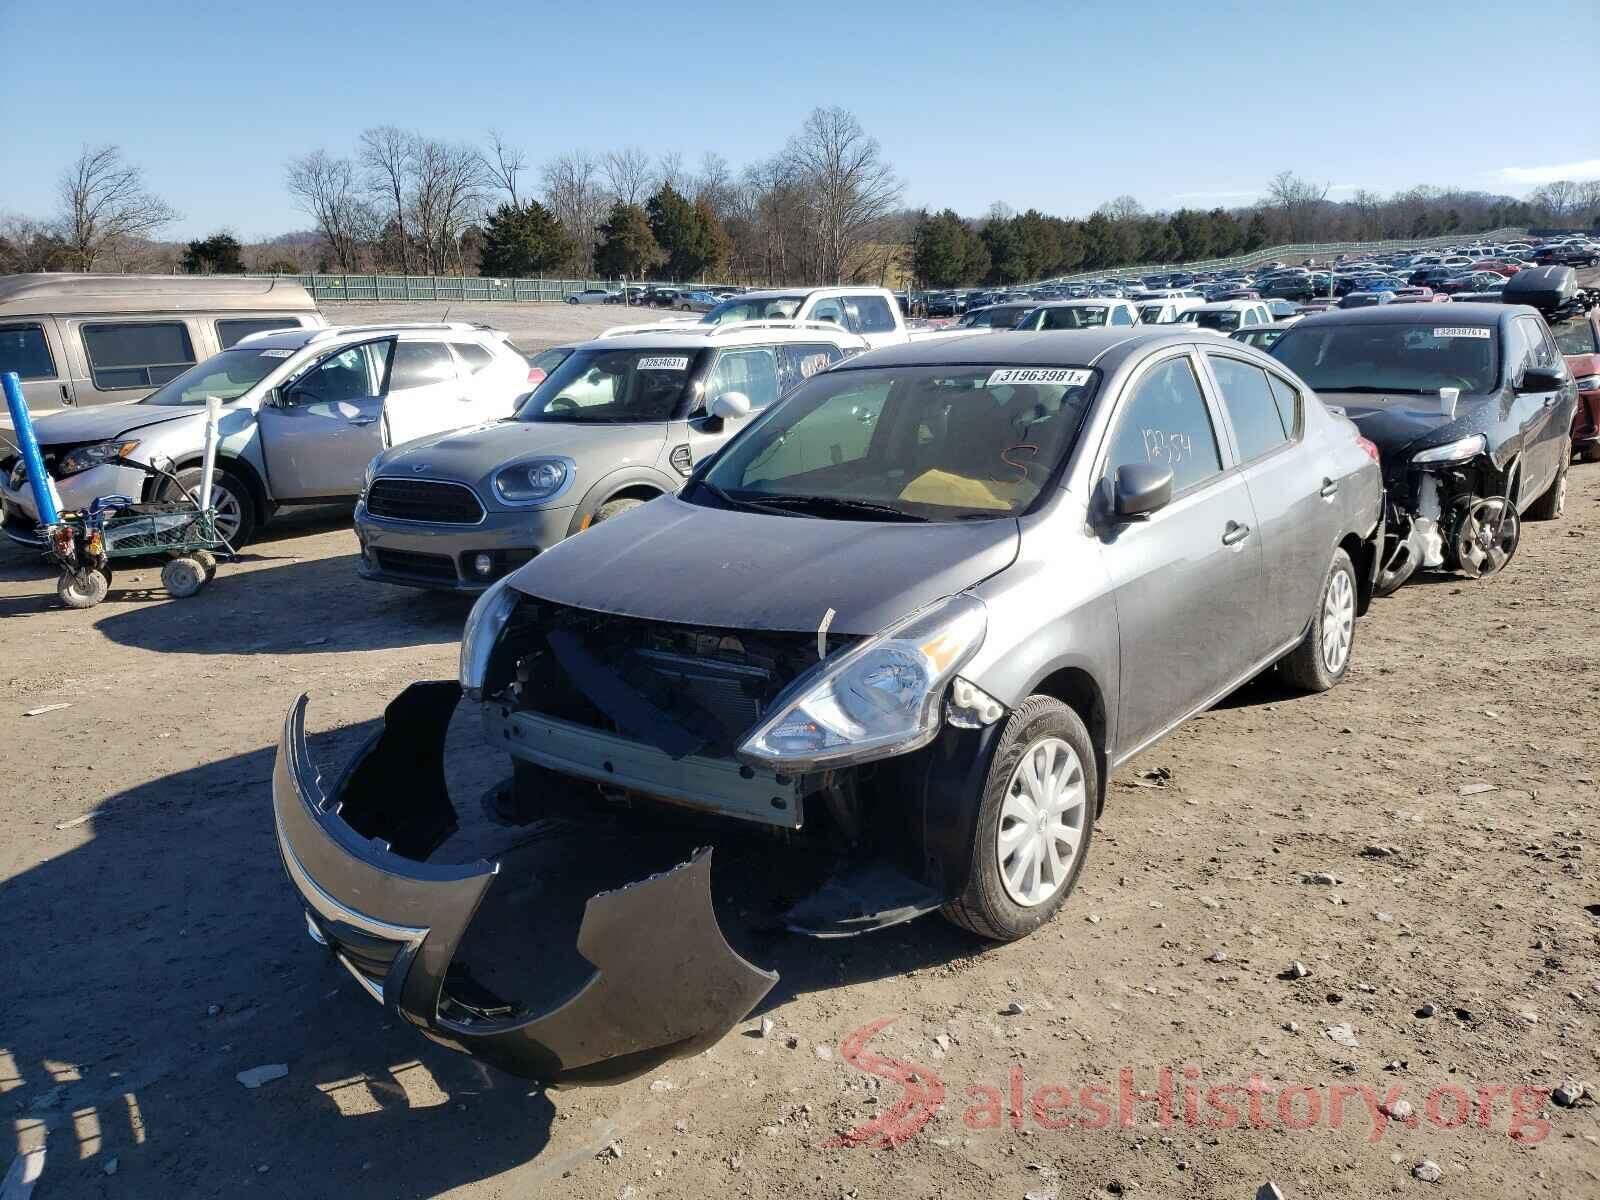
x=635, y=475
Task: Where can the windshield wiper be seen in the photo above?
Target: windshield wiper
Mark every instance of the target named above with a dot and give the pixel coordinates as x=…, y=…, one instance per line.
x=841, y=504
x=741, y=502
x=1375, y=390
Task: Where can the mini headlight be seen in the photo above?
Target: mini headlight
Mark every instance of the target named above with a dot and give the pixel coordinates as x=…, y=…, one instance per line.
x=1453, y=452
x=85, y=457
x=484, y=623
x=880, y=698
x=530, y=482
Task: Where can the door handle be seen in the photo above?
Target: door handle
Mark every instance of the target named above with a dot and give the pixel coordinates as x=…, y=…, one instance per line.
x=362, y=420
x=1235, y=533
x=1330, y=488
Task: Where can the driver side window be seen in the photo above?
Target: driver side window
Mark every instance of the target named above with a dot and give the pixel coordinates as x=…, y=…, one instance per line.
x=1164, y=422
x=752, y=370
x=352, y=374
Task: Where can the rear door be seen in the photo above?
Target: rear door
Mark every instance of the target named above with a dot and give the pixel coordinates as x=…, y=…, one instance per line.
x=1293, y=493
x=32, y=348
x=325, y=426
x=425, y=394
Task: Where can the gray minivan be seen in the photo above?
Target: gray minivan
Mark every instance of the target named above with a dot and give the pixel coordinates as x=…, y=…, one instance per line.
x=80, y=340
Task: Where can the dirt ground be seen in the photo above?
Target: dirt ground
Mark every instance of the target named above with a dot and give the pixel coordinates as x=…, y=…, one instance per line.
x=154, y=949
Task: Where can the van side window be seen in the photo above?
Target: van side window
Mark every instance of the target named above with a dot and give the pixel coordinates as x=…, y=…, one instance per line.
x=229, y=332
x=137, y=355
x=23, y=349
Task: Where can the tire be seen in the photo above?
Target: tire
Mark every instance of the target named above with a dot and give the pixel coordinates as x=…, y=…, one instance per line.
x=989, y=906
x=82, y=589
x=612, y=507
x=572, y=299
x=1553, y=503
x=1590, y=454
x=208, y=563
x=236, y=506
x=1323, y=659
x=183, y=577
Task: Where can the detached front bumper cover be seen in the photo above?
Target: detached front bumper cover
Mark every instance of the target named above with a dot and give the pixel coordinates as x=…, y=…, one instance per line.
x=666, y=983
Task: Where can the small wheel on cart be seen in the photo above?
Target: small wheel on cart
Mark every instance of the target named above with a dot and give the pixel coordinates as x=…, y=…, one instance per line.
x=183, y=577
x=83, y=588
x=208, y=563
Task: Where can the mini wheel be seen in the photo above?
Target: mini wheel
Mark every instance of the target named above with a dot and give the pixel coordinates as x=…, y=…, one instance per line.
x=83, y=589
x=208, y=563
x=183, y=577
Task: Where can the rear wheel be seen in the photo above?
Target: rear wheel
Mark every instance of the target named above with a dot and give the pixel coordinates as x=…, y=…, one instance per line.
x=82, y=589
x=1554, y=501
x=1323, y=659
x=183, y=577
x=1035, y=821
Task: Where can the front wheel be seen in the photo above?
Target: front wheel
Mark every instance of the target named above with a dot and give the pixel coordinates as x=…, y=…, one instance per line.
x=82, y=589
x=230, y=496
x=1322, y=660
x=1035, y=821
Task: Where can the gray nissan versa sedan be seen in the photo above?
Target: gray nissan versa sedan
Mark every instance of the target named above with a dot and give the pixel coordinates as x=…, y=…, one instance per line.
x=914, y=616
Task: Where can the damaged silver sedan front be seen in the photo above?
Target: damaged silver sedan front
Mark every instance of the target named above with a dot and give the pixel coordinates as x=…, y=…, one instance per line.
x=905, y=623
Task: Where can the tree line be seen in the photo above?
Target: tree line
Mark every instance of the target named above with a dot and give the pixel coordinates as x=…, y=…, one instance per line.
x=825, y=208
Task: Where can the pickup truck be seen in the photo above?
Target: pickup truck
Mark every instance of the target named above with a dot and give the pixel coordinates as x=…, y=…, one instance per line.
x=869, y=312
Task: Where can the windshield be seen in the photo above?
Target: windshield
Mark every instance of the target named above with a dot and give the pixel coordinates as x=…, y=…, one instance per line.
x=744, y=308
x=907, y=443
x=226, y=376
x=1226, y=319
x=610, y=387
x=1391, y=357
x=1576, y=337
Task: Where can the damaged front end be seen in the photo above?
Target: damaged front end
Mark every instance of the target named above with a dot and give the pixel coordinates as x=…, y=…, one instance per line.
x=665, y=982
x=1450, y=508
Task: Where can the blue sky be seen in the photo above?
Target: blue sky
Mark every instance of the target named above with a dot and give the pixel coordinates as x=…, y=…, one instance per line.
x=1056, y=105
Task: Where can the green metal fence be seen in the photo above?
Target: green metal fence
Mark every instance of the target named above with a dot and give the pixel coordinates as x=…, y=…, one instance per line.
x=465, y=289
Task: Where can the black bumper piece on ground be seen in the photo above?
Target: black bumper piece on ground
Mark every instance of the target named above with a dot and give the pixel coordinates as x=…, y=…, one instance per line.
x=666, y=983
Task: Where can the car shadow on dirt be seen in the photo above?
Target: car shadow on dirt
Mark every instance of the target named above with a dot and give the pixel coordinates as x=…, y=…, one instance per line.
x=168, y=953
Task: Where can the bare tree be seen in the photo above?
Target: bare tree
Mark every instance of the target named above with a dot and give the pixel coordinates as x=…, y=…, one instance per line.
x=714, y=184
x=627, y=174
x=1557, y=200
x=850, y=188
x=1123, y=208
x=27, y=244
x=388, y=156
x=1297, y=199
x=447, y=196
x=326, y=189
x=670, y=172
x=503, y=164
x=573, y=193
x=103, y=202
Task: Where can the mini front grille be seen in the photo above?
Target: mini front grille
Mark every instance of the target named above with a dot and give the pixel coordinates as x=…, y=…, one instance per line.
x=430, y=501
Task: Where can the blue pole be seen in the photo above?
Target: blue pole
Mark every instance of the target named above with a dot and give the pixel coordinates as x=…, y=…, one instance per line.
x=22, y=422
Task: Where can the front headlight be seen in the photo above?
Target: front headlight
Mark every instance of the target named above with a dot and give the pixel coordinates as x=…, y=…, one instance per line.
x=531, y=482
x=484, y=623
x=1453, y=452
x=1588, y=383
x=85, y=457
x=880, y=698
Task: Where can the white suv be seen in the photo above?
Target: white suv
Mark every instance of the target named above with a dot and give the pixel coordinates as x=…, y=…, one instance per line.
x=303, y=412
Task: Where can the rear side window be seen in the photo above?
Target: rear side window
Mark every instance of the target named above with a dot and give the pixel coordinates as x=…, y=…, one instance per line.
x=1246, y=394
x=143, y=355
x=871, y=314
x=23, y=349
x=1165, y=422
x=230, y=332
x=473, y=355
x=420, y=364
x=798, y=363
x=1288, y=401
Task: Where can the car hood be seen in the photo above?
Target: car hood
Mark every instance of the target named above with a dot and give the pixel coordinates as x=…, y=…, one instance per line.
x=673, y=561
x=475, y=454
x=1400, y=423
x=105, y=421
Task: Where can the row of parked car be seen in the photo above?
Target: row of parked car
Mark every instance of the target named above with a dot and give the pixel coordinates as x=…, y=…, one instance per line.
x=907, y=607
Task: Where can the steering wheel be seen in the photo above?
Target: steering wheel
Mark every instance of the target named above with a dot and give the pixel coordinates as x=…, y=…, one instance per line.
x=563, y=404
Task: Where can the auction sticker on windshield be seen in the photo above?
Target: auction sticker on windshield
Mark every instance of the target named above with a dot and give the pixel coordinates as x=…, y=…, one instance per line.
x=1068, y=377
x=674, y=362
x=1471, y=331
x=277, y=353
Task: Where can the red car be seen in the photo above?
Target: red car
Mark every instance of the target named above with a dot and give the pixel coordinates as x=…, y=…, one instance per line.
x=1579, y=339
x=1419, y=295
x=1498, y=265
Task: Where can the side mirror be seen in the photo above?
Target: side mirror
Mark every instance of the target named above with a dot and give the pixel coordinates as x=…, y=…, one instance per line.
x=1141, y=489
x=730, y=406
x=1540, y=379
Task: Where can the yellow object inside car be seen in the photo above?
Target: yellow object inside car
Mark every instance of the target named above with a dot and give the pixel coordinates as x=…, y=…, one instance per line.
x=961, y=491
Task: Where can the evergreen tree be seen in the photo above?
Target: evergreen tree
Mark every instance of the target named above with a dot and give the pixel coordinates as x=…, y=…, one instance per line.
x=524, y=240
